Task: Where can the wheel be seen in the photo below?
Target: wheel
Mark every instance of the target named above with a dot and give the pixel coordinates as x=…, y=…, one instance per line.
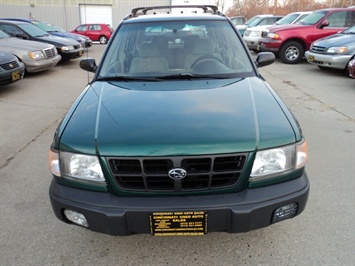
x=103, y=39
x=291, y=52
x=207, y=57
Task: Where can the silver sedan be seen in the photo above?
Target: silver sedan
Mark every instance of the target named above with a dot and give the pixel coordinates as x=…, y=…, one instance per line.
x=36, y=56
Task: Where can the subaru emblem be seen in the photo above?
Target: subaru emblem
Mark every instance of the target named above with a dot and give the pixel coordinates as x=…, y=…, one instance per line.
x=177, y=173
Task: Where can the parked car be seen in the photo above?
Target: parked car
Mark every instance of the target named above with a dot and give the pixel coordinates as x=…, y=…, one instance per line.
x=290, y=42
x=351, y=68
x=238, y=20
x=334, y=51
x=67, y=48
x=211, y=147
x=96, y=32
x=37, y=56
x=253, y=35
x=56, y=31
x=258, y=20
x=11, y=69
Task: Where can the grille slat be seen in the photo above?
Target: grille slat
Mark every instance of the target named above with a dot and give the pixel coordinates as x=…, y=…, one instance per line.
x=10, y=65
x=151, y=174
x=50, y=53
x=318, y=49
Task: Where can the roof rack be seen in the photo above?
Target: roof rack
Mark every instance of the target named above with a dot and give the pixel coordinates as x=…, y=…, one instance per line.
x=143, y=10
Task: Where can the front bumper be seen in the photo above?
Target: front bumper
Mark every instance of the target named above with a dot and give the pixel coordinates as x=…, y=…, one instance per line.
x=41, y=65
x=329, y=61
x=72, y=54
x=269, y=45
x=236, y=212
x=252, y=42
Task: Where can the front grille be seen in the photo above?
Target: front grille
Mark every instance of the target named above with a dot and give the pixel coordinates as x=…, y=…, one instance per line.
x=50, y=53
x=317, y=49
x=264, y=33
x=9, y=65
x=151, y=174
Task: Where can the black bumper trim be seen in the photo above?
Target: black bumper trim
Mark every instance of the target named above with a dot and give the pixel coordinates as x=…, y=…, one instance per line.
x=235, y=212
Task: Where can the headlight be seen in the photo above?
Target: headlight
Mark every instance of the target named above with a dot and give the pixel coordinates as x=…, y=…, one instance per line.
x=337, y=50
x=79, y=166
x=275, y=162
x=255, y=34
x=272, y=35
x=36, y=55
x=67, y=48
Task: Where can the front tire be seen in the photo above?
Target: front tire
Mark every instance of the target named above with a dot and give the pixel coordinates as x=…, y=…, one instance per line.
x=291, y=52
x=103, y=39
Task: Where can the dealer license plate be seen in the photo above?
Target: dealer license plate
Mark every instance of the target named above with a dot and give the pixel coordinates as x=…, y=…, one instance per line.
x=16, y=75
x=178, y=223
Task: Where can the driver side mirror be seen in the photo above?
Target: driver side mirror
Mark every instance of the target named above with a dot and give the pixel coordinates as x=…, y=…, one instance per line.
x=264, y=59
x=88, y=64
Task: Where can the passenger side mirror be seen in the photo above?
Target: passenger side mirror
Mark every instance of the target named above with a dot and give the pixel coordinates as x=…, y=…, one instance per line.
x=264, y=59
x=88, y=64
x=325, y=23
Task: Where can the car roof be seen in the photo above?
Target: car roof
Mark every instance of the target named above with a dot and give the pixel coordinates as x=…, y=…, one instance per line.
x=14, y=21
x=151, y=14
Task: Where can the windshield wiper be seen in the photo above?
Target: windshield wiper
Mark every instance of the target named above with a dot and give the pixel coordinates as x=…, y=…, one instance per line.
x=127, y=78
x=191, y=76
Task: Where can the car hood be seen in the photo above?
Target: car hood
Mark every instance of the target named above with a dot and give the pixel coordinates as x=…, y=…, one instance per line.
x=143, y=119
x=66, y=35
x=336, y=40
x=56, y=40
x=277, y=28
x=6, y=57
x=20, y=44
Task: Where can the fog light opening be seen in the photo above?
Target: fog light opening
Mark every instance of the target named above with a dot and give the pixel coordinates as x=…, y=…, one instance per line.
x=76, y=218
x=285, y=212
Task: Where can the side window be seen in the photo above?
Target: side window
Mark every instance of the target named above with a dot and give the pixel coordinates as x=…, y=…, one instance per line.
x=337, y=19
x=95, y=27
x=11, y=30
x=82, y=28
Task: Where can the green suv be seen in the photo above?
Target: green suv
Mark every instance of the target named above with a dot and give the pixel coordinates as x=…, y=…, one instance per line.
x=177, y=134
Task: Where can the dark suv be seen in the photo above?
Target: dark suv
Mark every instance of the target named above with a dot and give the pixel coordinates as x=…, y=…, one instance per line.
x=177, y=134
x=67, y=48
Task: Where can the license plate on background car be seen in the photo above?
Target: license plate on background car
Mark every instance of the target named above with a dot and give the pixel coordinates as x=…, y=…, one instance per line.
x=311, y=58
x=16, y=75
x=178, y=223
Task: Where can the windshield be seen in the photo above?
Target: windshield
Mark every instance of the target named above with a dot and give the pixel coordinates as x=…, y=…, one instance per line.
x=32, y=30
x=3, y=35
x=313, y=18
x=251, y=20
x=350, y=30
x=175, y=50
x=287, y=19
x=47, y=26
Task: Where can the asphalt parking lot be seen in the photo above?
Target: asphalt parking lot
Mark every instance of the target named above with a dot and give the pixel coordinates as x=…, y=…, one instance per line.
x=324, y=234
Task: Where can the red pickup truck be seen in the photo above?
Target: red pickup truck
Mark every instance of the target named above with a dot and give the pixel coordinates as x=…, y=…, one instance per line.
x=289, y=42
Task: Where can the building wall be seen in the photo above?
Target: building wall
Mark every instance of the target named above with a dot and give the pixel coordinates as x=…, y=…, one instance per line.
x=65, y=13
